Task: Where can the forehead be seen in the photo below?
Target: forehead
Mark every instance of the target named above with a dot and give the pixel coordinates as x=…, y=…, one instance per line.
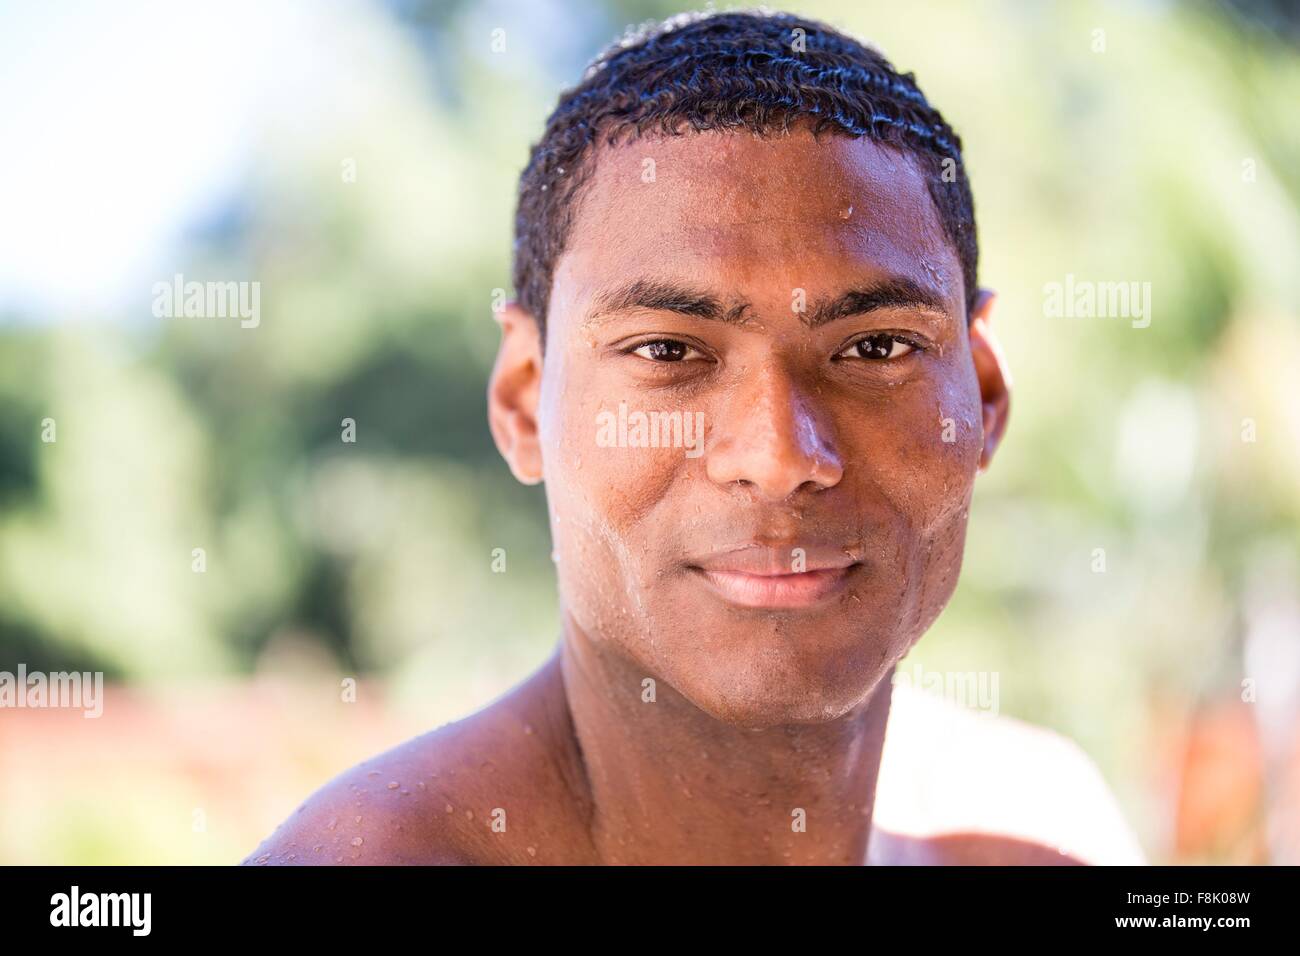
x=755, y=217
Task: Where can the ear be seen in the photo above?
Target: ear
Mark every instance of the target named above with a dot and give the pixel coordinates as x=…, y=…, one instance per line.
x=514, y=390
x=992, y=372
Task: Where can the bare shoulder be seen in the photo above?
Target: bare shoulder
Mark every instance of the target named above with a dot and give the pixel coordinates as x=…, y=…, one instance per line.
x=370, y=813
x=483, y=790
x=967, y=787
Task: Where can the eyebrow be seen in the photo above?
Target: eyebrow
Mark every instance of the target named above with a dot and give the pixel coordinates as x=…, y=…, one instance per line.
x=663, y=296
x=668, y=296
x=896, y=292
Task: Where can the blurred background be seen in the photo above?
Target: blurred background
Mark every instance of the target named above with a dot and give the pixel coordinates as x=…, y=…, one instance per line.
x=359, y=161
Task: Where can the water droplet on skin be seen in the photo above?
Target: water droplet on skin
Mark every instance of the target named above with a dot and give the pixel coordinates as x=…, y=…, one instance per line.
x=333, y=823
x=357, y=841
x=393, y=785
x=846, y=212
x=262, y=859
x=469, y=814
x=532, y=851
x=449, y=808
x=357, y=820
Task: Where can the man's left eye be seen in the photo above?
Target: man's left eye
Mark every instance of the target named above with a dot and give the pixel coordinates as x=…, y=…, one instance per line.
x=878, y=347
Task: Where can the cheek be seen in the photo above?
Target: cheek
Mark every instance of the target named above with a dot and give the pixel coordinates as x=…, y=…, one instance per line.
x=920, y=456
x=604, y=497
x=935, y=437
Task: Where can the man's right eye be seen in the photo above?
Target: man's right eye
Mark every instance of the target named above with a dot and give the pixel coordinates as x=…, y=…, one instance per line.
x=665, y=350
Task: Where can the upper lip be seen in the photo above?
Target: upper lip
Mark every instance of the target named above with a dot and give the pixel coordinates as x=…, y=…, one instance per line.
x=766, y=560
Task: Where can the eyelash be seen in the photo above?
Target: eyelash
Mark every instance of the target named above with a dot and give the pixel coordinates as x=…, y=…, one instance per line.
x=633, y=349
x=912, y=344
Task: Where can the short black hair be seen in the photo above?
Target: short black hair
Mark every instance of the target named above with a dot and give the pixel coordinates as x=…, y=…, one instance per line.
x=750, y=70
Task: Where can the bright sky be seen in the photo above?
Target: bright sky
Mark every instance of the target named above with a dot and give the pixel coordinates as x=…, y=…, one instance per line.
x=118, y=124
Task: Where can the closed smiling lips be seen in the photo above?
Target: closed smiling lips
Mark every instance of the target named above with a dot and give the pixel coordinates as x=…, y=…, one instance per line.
x=765, y=576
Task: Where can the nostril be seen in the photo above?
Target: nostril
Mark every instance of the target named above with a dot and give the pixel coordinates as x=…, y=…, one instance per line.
x=772, y=438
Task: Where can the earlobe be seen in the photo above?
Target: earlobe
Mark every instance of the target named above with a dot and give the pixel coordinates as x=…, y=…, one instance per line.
x=514, y=391
x=992, y=373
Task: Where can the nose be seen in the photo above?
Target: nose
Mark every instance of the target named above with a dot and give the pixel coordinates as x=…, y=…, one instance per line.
x=773, y=438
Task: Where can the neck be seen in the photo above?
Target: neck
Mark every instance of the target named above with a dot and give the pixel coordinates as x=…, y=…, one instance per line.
x=668, y=783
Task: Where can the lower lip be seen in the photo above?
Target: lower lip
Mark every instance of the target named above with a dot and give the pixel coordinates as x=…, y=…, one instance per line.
x=776, y=590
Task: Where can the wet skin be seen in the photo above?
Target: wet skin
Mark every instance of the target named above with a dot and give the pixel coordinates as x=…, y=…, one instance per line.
x=730, y=620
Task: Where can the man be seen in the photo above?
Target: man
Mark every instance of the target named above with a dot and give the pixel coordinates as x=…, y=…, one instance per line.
x=750, y=361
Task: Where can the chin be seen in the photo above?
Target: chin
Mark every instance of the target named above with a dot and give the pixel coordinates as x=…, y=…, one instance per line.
x=769, y=686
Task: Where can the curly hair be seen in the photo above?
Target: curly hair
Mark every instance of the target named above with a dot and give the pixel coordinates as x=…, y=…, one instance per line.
x=753, y=71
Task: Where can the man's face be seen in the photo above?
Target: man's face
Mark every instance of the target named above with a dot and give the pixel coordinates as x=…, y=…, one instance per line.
x=801, y=299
